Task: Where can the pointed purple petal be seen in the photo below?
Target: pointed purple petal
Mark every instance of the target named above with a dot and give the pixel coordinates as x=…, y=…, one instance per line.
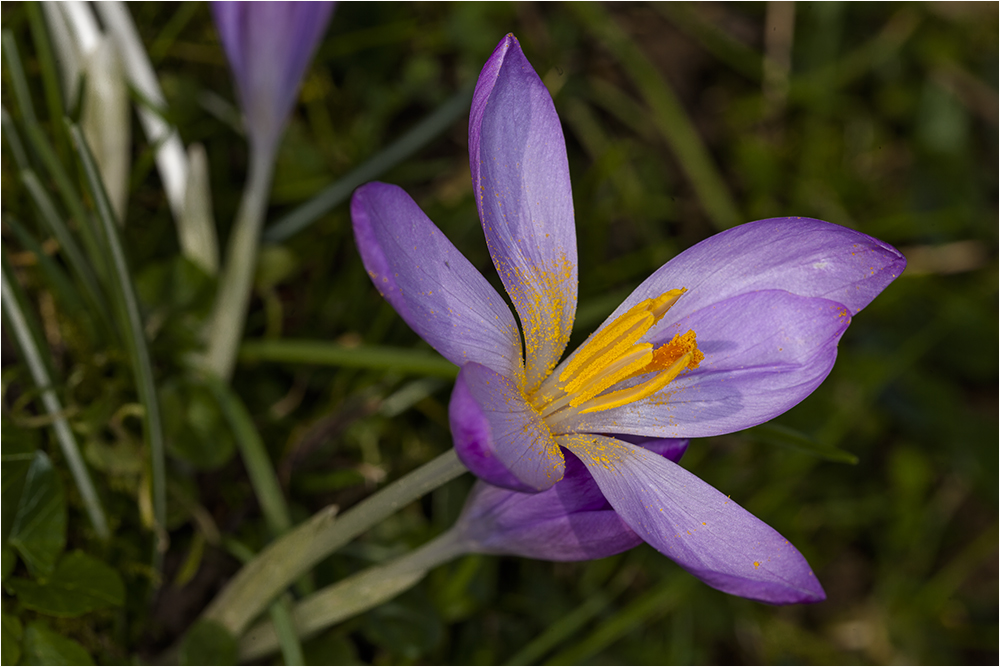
x=670, y=448
x=520, y=177
x=701, y=529
x=430, y=283
x=798, y=255
x=498, y=436
x=269, y=46
x=570, y=521
x=764, y=353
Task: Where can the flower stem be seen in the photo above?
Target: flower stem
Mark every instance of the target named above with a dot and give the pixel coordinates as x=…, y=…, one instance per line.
x=295, y=553
x=233, y=298
x=356, y=594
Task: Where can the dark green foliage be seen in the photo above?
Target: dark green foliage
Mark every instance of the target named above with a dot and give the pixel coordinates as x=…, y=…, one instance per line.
x=886, y=122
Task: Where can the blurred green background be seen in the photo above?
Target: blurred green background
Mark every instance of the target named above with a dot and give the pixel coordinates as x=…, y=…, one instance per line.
x=680, y=120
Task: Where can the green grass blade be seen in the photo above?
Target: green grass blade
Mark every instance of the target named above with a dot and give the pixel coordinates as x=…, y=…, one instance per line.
x=284, y=628
x=69, y=195
x=14, y=140
x=18, y=318
x=668, y=114
x=415, y=362
x=133, y=333
x=47, y=65
x=56, y=277
x=255, y=457
x=18, y=80
x=645, y=609
x=53, y=222
x=418, y=137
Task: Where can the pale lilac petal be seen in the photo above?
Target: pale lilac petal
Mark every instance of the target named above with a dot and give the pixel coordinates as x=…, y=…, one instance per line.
x=269, y=46
x=798, y=255
x=701, y=529
x=520, y=178
x=764, y=353
x=498, y=434
x=430, y=283
x=670, y=448
x=569, y=521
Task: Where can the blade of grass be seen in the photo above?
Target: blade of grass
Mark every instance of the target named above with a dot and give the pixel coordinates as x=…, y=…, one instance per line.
x=255, y=457
x=668, y=114
x=354, y=595
x=415, y=362
x=282, y=625
x=288, y=558
x=418, y=137
x=47, y=65
x=729, y=50
x=57, y=278
x=14, y=140
x=53, y=222
x=17, y=317
x=18, y=80
x=171, y=160
x=69, y=196
x=232, y=299
x=646, y=608
x=135, y=339
x=569, y=624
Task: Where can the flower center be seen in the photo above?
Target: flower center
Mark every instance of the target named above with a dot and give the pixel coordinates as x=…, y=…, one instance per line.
x=614, y=355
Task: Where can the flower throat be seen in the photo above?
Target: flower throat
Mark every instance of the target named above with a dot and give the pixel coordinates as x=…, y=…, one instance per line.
x=614, y=355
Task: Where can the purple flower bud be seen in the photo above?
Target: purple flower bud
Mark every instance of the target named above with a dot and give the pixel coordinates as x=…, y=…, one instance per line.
x=269, y=45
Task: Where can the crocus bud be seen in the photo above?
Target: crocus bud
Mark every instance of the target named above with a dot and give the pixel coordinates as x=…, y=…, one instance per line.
x=569, y=521
x=269, y=45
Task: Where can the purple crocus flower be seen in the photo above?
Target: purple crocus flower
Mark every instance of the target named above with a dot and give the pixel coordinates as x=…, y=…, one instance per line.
x=727, y=335
x=269, y=45
x=571, y=520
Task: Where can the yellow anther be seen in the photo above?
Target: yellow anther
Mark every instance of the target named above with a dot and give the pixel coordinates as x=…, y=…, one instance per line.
x=670, y=360
x=586, y=387
x=610, y=342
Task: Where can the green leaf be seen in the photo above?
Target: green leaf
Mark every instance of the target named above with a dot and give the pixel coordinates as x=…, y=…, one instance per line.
x=39, y=530
x=42, y=646
x=196, y=428
x=17, y=451
x=208, y=643
x=10, y=652
x=79, y=584
x=776, y=434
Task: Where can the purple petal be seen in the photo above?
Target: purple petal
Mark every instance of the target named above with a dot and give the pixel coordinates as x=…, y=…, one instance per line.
x=701, y=529
x=570, y=521
x=430, y=283
x=670, y=448
x=798, y=255
x=764, y=353
x=269, y=46
x=520, y=177
x=498, y=436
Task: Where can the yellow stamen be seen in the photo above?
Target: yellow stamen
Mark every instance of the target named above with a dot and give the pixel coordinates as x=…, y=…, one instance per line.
x=614, y=355
x=671, y=360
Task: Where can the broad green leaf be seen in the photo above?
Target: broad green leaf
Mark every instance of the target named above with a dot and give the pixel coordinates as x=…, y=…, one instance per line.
x=10, y=652
x=39, y=530
x=208, y=643
x=18, y=450
x=776, y=434
x=196, y=427
x=42, y=646
x=79, y=584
